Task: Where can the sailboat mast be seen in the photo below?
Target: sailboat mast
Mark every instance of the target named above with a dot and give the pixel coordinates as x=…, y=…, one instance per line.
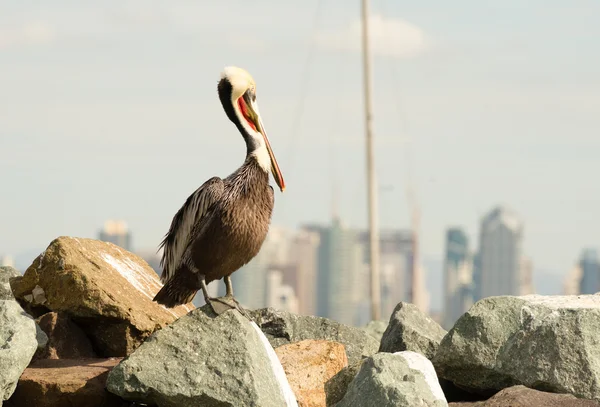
x=371, y=178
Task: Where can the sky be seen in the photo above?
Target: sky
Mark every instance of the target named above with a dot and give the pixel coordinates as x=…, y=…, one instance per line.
x=109, y=110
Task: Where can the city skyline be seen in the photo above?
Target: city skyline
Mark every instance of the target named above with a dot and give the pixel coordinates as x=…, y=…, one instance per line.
x=109, y=110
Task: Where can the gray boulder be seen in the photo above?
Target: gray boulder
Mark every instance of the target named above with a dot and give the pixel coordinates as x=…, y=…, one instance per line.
x=411, y=329
x=20, y=337
x=337, y=386
x=544, y=342
x=282, y=327
x=375, y=329
x=6, y=273
x=201, y=360
x=402, y=379
x=521, y=396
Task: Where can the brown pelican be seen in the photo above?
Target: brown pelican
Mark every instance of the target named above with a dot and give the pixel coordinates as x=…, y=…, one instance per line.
x=223, y=224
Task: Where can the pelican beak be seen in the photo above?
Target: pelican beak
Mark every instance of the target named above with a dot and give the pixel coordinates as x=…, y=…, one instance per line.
x=274, y=166
x=255, y=117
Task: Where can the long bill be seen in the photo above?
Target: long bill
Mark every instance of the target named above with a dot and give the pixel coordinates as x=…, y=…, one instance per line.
x=250, y=110
x=274, y=166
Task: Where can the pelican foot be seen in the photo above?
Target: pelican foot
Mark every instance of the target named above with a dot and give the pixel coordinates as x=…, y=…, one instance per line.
x=224, y=304
x=238, y=306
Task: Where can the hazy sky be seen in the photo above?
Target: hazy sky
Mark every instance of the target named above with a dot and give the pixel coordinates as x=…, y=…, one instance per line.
x=109, y=110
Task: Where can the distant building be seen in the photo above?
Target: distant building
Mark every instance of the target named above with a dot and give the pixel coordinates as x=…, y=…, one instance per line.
x=7, y=260
x=304, y=255
x=396, y=263
x=116, y=232
x=590, y=272
x=572, y=281
x=500, y=242
x=340, y=286
x=458, y=276
x=526, y=284
x=280, y=295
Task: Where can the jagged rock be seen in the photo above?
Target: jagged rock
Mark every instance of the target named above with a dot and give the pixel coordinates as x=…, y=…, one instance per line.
x=65, y=339
x=521, y=396
x=282, y=327
x=410, y=329
x=66, y=383
x=336, y=387
x=6, y=273
x=402, y=379
x=375, y=329
x=545, y=342
x=308, y=365
x=106, y=290
x=20, y=337
x=201, y=360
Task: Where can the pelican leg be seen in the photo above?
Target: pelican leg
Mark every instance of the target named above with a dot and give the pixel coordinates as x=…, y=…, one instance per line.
x=229, y=295
x=218, y=305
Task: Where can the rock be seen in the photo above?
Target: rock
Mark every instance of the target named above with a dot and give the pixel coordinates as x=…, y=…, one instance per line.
x=521, y=396
x=544, y=342
x=65, y=339
x=375, y=329
x=66, y=383
x=402, y=379
x=6, y=273
x=201, y=360
x=308, y=365
x=410, y=329
x=336, y=387
x=282, y=327
x=106, y=290
x=20, y=337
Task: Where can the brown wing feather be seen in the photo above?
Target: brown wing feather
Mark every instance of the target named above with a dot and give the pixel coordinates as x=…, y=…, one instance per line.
x=178, y=237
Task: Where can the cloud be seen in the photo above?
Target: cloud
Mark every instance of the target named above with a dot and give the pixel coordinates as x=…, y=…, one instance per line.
x=388, y=37
x=31, y=33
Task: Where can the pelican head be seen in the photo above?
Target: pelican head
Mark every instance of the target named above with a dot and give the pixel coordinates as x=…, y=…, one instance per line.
x=237, y=91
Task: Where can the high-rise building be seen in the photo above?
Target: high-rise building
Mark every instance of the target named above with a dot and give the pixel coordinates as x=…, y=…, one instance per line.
x=501, y=255
x=396, y=263
x=304, y=252
x=341, y=268
x=7, y=260
x=590, y=272
x=572, y=281
x=458, y=276
x=116, y=232
x=280, y=295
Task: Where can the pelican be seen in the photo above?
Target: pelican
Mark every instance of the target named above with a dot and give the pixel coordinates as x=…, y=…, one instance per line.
x=223, y=224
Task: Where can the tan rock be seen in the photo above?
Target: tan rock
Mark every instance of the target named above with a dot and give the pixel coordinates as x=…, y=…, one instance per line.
x=105, y=289
x=308, y=365
x=65, y=339
x=65, y=382
x=521, y=396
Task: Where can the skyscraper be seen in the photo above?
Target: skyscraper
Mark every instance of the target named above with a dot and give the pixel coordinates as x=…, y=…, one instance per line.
x=280, y=295
x=304, y=253
x=458, y=276
x=7, y=261
x=396, y=262
x=116, y=232
x=501, y=265
x=340, y=286
x=590, y=272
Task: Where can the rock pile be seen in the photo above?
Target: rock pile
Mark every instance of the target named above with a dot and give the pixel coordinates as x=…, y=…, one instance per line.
x=99, y=340
x=104, y=289
x=545, y=343
x=92, y=300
